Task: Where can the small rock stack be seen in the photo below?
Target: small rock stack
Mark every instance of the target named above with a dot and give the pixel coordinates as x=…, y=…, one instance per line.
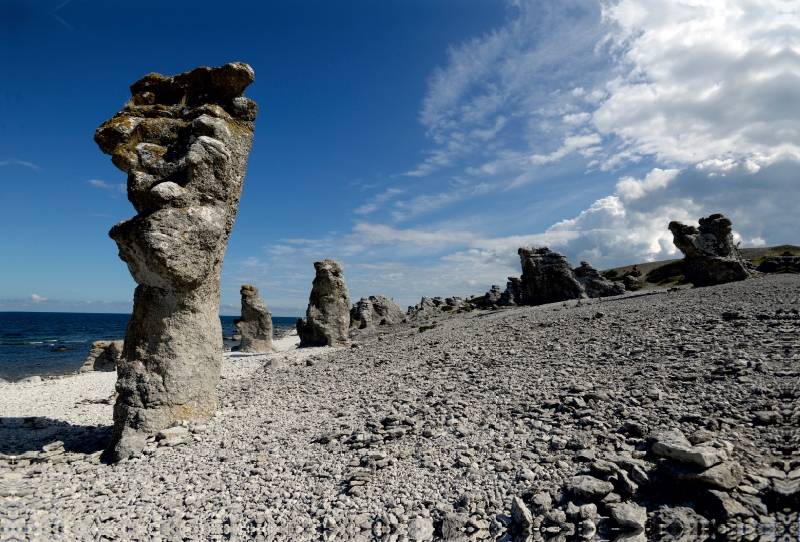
x=255, y=324
x=103, y=356
x=327, y=318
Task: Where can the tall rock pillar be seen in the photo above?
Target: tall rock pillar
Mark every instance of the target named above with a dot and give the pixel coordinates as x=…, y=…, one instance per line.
x=184, y=142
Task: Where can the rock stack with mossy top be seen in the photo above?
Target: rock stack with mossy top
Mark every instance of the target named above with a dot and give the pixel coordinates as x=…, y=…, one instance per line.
x=184, y=142
x=255, y=324
x=327, y=320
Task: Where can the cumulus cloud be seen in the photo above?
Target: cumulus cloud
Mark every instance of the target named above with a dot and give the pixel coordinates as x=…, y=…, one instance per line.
x=631, y=225
x=707, y=79
x=37, y=298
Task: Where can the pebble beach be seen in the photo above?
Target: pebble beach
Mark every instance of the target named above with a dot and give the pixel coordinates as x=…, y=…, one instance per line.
x=442, y=433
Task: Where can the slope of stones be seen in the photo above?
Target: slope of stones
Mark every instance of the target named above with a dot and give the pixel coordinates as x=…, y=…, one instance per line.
x=444, y=433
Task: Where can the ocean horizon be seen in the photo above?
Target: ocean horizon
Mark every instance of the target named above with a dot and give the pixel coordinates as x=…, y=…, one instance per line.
x=57, y=343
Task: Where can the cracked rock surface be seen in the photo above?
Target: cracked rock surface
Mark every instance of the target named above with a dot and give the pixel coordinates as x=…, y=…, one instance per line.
x=184, y=142
x=650, y=415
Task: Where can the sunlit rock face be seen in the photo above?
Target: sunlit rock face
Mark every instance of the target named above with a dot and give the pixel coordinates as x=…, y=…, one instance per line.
x=184, y=142
x=710, y=255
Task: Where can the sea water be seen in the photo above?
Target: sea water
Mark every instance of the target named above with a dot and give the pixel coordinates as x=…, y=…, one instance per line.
x=56, y=343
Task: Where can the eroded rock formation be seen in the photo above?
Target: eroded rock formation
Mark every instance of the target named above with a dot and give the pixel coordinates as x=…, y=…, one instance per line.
x=327, y=318
x=255, y=324
x=513, y=293
x=375, y=310
x=103, y=356
x=433, y=305
x=711, y=256
x=184, y=142
x=595, y=284
x=548, y=277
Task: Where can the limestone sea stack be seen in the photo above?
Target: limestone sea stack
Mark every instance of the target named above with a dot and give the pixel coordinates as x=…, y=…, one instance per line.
x=255, y=325
x=327, y=318
x=710, y=255
x=184, y=142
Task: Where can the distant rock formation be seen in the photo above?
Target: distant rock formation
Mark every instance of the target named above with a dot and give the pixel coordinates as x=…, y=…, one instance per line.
x=513, y=293
x=103, y=356
x=780, y=264
x=255, y=324
x=493, y=296
x=375, y=310
x=548, y=277
x=435, y=305
x=711, y=257
x=327, y=318
x=633, y=283
x=184, y=142
x=595, y=284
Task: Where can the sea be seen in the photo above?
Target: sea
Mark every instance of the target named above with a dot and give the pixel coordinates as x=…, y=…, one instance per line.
x=56, y=343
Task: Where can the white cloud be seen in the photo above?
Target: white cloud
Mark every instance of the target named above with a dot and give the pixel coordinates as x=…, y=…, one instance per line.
x=16, y=162
x=632, y=224
x=708, y=79
x=405, y=210
x=571, y=144
x=629, y=189
x=113, y=190
x=37, y=298
x=376, y=202
x=495, y=88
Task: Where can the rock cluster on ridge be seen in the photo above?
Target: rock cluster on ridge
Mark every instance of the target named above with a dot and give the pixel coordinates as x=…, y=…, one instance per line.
x=429, y=306
x=184, y=143
x=780, y=264
x=327, y=320
x=710, y=255
x=375, y=310
x=548, y=277
x=103, y=356
x=255, y=323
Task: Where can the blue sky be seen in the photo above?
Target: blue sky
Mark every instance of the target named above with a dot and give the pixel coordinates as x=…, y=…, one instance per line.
x=417, y=142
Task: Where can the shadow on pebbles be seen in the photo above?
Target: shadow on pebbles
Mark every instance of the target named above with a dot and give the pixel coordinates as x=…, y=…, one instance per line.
x=671, y=416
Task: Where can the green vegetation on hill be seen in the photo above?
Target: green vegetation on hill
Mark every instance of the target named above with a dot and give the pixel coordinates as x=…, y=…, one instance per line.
x=666, y=274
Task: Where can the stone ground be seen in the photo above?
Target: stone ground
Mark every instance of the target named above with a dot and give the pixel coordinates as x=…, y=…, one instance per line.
x=553, y=413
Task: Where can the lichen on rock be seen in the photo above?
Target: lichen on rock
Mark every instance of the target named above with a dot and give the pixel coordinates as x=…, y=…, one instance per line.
x=184, y=142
